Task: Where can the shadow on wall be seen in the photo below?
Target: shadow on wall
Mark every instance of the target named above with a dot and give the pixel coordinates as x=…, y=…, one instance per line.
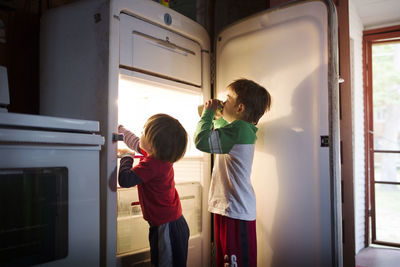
x=293, y=221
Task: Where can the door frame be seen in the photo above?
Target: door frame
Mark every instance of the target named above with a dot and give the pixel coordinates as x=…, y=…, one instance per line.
x=370, y=37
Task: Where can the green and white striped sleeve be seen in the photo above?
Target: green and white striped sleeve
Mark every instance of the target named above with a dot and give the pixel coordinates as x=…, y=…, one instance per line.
x=219, y=140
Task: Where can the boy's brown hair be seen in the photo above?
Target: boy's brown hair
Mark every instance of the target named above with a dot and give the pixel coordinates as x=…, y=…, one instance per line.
x=254, y=97
x=166, y=136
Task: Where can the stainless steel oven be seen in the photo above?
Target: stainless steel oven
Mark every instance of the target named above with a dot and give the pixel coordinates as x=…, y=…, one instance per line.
x=49, y=191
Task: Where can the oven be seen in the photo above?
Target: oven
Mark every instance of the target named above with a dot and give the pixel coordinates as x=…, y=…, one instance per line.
x=49, y=191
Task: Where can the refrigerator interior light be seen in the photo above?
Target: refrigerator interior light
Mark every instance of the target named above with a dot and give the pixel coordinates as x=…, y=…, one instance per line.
x=138, y=101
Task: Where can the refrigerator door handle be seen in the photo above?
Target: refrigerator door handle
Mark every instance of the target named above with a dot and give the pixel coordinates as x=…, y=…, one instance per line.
x=117, y=137
x=165, y=42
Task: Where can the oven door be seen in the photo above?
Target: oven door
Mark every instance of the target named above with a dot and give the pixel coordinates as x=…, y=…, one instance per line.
x=49, y=199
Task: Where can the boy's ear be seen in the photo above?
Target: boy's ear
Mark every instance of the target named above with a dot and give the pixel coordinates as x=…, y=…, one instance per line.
x=240, y=108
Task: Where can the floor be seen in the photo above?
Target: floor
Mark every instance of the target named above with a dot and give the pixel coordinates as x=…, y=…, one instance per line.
x=378, y=257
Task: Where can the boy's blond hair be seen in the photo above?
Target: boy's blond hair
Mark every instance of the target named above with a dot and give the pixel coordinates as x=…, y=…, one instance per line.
x=254, y=97
x=166, y=136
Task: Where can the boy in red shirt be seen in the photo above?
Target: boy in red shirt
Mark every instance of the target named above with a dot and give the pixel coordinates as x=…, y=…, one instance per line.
x=162, y=143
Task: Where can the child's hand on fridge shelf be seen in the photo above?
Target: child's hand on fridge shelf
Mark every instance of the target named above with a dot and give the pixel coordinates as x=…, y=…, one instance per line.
x=125, y=151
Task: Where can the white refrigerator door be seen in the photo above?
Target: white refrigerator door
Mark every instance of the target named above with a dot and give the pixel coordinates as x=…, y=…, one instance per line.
x=287, y=50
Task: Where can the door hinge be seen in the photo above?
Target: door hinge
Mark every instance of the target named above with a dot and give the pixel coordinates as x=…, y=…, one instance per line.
x=324, y=140
x=212, y=68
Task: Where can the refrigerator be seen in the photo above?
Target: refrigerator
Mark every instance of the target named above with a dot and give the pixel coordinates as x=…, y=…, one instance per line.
x=120, y=61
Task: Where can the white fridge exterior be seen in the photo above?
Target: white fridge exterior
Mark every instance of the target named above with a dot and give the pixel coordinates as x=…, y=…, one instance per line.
x=89, y=48
x=80, y=77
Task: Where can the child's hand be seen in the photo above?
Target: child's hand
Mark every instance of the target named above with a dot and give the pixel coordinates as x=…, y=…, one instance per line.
x=211, y=104
x=121, y=128
x=215, y=105
x=123, y=151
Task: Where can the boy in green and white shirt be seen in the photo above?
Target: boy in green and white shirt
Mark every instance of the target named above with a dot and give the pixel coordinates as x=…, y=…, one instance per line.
x=231, y=196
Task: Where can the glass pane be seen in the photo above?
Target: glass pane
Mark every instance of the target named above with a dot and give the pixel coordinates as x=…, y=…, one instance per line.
x=387, y=208
x=386, y=95
x=387, y=167
x=34, y=215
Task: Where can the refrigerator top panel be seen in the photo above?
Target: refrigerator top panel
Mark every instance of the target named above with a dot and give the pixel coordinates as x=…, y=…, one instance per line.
x=161, y=16
x=151, y=49
x=15, y=120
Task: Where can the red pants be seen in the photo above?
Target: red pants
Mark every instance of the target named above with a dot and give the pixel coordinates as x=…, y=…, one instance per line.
x=236, y=242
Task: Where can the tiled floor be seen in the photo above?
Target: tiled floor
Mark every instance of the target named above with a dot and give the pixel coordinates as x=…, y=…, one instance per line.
x=378, y=257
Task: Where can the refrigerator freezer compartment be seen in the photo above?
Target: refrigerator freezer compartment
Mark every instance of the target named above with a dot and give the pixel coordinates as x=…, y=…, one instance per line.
x=147, y=48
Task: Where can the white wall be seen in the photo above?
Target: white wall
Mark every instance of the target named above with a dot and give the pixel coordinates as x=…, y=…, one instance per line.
x=356, y=31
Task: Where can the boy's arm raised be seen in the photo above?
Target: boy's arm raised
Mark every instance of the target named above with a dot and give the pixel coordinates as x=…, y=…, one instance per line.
x=203, y=131
x=130, y=139
x=208, y=140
